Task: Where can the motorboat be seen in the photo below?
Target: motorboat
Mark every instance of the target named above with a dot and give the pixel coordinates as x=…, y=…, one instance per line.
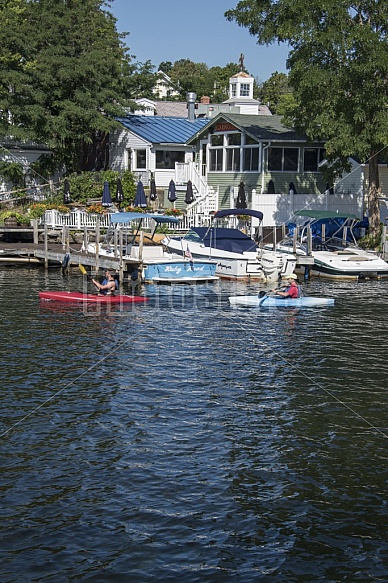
x=145, y=257
x=330, y=239
x=268, y=301
x=237, y=256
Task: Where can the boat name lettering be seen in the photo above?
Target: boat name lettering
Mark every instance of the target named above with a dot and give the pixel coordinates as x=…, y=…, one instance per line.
x=175, y=268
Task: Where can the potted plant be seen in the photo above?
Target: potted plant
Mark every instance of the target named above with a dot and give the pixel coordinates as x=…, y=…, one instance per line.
x=14, y=219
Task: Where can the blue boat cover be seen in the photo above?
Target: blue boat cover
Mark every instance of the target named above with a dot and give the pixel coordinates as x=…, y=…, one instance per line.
x=225, y=239
x=125, y=218
x=234, y=212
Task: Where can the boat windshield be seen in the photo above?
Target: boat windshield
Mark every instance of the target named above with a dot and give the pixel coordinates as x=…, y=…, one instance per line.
x=338, y=244
x=192, y=236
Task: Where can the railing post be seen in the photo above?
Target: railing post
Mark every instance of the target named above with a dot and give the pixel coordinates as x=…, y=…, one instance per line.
x=97, y=245
x=384, y=242
x=45, y=246
x=35, y=231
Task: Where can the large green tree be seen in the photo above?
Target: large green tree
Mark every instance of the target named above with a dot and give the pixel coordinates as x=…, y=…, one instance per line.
x=64, y=75
x=276, y=93
x=339, y=71
x=142, y=80
x=13, y=62
x=198, y=77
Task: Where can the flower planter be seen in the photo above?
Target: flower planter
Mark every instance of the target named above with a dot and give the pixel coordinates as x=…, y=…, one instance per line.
x=11, y=223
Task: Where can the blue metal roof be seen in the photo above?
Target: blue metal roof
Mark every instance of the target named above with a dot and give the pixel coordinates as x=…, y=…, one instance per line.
x=162, y=130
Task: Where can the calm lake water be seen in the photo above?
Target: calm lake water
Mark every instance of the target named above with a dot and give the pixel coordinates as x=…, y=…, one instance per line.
x=185, y=441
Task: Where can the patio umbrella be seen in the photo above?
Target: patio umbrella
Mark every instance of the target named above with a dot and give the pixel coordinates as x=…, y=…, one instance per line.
x=66, y=192
x=241, y=202
x=271, y=187
x=189, y=198
x=140, y=198
x=153, y=195
x=171, y=191
x=106, y=197
x=119, y=192
x=291, y=188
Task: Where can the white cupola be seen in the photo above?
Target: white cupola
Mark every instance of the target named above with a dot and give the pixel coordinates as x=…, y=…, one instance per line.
x=241, y=86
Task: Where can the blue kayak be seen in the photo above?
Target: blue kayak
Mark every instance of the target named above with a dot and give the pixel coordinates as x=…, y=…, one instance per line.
x=279, y=302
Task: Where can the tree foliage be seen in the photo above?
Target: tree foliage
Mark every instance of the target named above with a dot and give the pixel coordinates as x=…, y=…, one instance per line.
x=142, y=81
x=338, y=68
x=64, y=73
x=89, y=185
x=276, y=92
x=198, y=77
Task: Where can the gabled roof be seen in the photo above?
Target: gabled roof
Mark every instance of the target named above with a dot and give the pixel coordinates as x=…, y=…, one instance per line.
x=260, y=127
x=162, y=130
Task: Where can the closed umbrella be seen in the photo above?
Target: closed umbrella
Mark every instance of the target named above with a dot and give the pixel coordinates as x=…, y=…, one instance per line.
x=153, y=195
x=241, y=202
x=189, y=198
x=119, y=192
x=291, y=188
x=271, y=187
x=106, y=197
x=171, y=191
x=140, y=198
x=66, y=192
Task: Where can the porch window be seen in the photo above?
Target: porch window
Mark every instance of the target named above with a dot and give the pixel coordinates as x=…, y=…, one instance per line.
x=233, y=154
x=291, y=159
x=233, y=159
x=166, y=159
x=217, y=140
x=283, y=159
x=215, y=156
x=233, y=139
x=140, y=159
x=251, y=159
x=311, y=159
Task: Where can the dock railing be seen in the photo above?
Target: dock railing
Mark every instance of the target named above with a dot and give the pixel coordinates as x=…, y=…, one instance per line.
x=78, y=220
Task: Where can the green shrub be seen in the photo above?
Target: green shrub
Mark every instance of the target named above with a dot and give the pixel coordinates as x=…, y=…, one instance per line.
x=370, y=242
x=89, y=185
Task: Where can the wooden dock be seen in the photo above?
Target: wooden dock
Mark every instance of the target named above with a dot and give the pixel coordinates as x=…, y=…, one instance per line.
x=21, y=245
x=55, y=255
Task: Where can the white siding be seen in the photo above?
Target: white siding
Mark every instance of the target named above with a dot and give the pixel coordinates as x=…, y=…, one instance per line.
x=280, y=208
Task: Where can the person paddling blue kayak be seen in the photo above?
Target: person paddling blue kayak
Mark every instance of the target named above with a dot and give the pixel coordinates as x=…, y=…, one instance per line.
x=292, y=290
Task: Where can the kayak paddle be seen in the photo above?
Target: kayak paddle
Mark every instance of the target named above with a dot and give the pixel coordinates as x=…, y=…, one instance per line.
x=84, y=272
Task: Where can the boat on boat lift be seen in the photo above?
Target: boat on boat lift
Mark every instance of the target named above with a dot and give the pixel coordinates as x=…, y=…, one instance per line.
x=141, y=250
x=330, y=239
x=237, y=256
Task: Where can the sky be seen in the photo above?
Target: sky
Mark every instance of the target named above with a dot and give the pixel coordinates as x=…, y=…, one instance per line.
x=170, y=30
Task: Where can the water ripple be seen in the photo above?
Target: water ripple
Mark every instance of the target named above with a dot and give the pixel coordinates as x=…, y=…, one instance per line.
x=183, y=440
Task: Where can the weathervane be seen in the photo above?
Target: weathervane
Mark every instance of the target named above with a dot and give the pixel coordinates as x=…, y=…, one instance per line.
x=241, y=61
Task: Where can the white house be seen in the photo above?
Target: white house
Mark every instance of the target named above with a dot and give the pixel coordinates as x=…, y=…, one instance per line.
x=23, y=153
x=164, y=87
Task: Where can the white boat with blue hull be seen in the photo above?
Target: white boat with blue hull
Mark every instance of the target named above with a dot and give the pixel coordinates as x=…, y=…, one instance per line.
x=267, y=301
x=151, y=262
x=237, y=256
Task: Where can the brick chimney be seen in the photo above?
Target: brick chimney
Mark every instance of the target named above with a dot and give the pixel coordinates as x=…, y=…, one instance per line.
x=205, y=99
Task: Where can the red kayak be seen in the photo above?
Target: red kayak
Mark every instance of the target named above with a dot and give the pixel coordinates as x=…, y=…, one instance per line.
x=66, y=296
